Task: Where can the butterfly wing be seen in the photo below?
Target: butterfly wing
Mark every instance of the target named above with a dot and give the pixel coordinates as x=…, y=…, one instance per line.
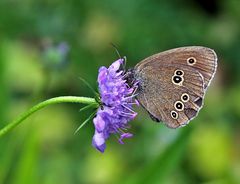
x=162, y=96
x=205, y=60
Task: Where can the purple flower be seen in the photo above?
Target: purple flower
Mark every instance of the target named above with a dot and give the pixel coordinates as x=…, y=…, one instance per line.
x=116, y=111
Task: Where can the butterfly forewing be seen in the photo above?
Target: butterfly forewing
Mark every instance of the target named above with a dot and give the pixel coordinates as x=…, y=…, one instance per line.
x=205, y=60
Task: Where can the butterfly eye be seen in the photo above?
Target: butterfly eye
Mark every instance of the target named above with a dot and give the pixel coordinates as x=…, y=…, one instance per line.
x=177, y=80
x=174, y=114
x=179, y=72
x=185, y=97
x=191, y=61
x=179, y=106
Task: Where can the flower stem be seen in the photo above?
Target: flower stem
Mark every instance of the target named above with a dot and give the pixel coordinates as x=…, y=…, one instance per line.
x=56, y=100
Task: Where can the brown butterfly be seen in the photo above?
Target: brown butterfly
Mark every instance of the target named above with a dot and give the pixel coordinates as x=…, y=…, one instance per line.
x=172, y=84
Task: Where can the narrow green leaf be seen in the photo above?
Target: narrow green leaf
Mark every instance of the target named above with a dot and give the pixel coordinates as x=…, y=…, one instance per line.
x=88, y=85
x=85, y=122
x=87, y=107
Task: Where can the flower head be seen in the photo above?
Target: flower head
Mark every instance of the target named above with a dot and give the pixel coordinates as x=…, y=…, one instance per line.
x=117, y=98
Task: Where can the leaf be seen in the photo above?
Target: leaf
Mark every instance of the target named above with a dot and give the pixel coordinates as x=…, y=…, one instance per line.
x=88, y=85
x=86, y=107
x=85, y=122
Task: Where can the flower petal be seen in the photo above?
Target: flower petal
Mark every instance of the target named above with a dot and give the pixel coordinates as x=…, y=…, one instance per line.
x=99, y=123
x=99, y=141
x=124, y=136
x=116, y=65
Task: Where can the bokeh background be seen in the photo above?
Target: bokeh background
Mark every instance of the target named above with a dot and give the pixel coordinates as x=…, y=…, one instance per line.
x=45, y=46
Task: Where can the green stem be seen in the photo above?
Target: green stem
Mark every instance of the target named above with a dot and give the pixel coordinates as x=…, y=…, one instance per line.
x=56, y=100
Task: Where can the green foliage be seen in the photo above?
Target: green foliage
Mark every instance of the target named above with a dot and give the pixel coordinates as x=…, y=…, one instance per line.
x=47, y=151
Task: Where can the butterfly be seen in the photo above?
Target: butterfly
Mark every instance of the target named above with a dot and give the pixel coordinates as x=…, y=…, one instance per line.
x=172, y=84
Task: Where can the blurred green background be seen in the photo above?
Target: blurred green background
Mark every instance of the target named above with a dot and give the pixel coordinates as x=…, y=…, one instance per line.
x=46, y=45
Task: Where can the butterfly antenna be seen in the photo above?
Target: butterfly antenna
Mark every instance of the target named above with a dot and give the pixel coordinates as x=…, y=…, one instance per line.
x=116, y=50
x=119, y=55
